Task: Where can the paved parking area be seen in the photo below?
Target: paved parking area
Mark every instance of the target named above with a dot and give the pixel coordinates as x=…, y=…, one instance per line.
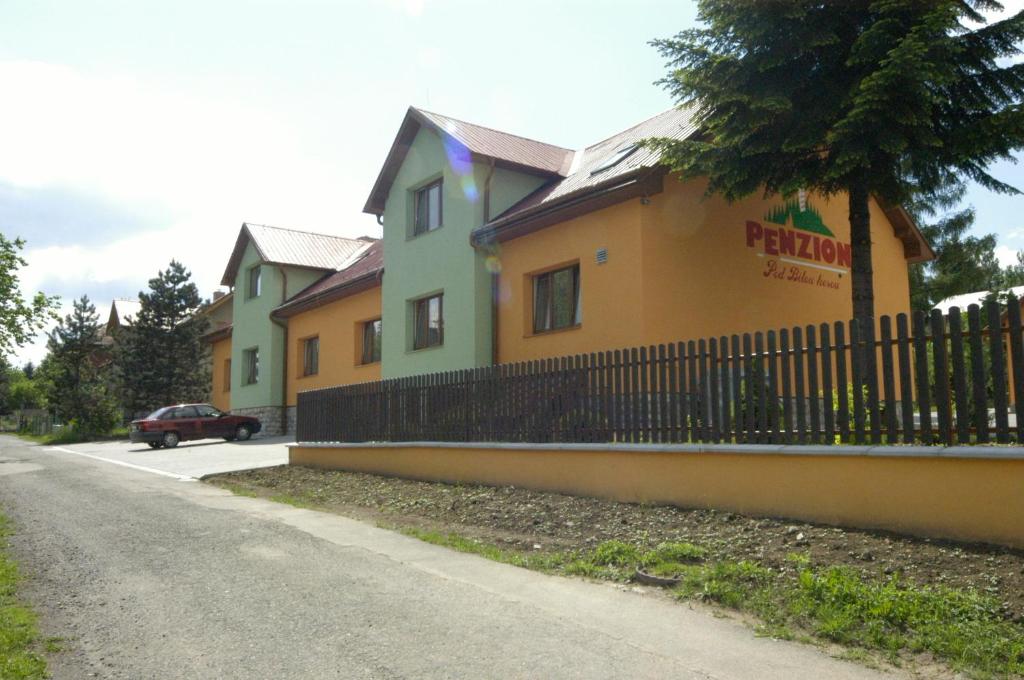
x=189, y=460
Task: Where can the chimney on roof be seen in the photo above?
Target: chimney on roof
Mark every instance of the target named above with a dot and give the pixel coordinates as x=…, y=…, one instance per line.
x=217, y=294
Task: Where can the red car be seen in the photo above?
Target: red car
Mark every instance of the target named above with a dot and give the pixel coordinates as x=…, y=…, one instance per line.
x=172, y=424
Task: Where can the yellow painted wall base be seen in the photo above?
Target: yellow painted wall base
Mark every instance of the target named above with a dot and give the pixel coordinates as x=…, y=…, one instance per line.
x=967, y=499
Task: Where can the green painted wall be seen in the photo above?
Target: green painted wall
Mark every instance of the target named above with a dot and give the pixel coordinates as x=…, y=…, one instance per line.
x=252, y=327
x=442, y=260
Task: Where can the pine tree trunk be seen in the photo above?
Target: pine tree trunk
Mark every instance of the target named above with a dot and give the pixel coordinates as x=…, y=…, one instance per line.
x=860, y=240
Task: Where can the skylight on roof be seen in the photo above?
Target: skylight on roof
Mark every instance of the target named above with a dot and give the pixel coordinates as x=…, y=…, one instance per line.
x=616, y=158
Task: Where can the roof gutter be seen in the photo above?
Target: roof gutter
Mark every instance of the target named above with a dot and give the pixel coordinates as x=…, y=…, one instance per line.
x=284, y=364
x=364, y=282
x=643, y=182
x=495, y=273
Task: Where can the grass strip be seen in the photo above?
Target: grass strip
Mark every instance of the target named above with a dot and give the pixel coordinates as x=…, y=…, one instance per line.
x=70, y=436
x=962, y=628
x=19, y=636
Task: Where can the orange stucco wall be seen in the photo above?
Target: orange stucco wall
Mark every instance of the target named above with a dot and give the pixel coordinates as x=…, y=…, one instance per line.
x=980, y=497
x=338, y=324
x=221, y=352
x=679, y=268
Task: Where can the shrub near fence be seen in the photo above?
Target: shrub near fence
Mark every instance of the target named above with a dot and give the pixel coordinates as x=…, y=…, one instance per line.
x=931, y=379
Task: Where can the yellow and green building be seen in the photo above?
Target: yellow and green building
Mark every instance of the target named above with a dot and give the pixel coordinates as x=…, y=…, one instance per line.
x=497, y=248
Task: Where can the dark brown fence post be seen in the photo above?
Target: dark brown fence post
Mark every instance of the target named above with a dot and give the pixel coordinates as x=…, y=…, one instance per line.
x=737, y=389
x=723, y=382
x=888, y=381
x=664, y=434
x=673, y=394
x=826, y=385
x=787, y=394
x=760, y=386
x=997, y=364
x=871, y=372
x=712, y=378
x=799, y=385
x=1017, y=356
x=941, y=369
x=773, y=388
x=749, y=423
x=978, y=375
x=702, y=391
x=857, y=379
x=644, y=431
x=959, y=361
x=906, y=384
x=812, y=384
x=921, y=377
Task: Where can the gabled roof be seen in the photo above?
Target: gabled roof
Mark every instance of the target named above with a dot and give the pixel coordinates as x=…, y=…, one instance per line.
x=216, y=303
x=615, y=164
x=277, y=245
x=616, y=169
x=481, y=143
x=362, y=273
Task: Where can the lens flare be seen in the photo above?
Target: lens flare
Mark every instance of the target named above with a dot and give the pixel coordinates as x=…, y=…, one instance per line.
x=461, y=163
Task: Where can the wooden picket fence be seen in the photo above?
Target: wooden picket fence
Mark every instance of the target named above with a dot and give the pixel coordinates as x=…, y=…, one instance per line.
x=927, y=379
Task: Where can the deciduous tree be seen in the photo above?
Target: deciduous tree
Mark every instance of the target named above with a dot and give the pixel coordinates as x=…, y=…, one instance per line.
x=20, y=319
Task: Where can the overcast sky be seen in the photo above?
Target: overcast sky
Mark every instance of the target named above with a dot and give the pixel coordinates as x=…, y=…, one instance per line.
x=133, y=132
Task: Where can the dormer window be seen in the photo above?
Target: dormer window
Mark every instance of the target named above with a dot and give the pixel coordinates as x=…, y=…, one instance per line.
x=616, y=158
x=427, y=208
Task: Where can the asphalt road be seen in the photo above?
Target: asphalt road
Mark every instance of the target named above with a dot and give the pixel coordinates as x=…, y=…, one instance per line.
x=149, y=576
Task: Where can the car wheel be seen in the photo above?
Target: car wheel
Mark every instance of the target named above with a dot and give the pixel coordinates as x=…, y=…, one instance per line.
x=171, y=439
x=154, y=445
x=243, y=433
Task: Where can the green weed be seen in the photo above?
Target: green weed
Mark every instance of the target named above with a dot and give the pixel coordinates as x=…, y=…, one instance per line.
x=19, y=635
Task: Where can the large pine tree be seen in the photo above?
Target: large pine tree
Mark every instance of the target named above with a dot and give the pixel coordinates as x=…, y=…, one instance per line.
x=161, y=358
x=886, y=98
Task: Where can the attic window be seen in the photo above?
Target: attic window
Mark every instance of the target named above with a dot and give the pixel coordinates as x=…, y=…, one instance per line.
x=616, y=158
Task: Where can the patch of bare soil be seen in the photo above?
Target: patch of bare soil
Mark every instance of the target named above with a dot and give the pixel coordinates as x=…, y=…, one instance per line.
x=521, y=519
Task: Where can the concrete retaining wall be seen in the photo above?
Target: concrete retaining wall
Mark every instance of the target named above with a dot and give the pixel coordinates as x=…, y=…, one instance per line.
x=962, y=493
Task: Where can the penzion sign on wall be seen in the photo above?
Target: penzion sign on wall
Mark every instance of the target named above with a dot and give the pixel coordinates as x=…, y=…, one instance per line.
x=797, y=246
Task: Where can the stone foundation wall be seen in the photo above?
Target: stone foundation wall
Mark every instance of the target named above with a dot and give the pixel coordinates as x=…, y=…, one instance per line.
x=291, y=416
x=269, y=416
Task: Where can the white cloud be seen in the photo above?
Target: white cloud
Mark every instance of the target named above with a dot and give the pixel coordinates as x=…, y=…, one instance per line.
x=1006, y=255
x=129, y=140
x=207, y=164
x=429, y=58
x=413, y=8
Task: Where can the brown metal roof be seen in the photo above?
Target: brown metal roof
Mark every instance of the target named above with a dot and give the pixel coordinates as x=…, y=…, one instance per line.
x=511, y=151
x=277, y=245
x=364, y=272
x=590, y=186
x=587, y=175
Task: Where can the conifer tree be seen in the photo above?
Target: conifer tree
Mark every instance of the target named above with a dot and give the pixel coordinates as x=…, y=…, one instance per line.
x=161, y=358
x=885, y=98
x=77, y=390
